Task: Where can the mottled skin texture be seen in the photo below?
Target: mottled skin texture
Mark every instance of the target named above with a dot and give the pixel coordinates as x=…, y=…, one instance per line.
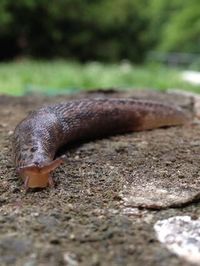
x=38, y=137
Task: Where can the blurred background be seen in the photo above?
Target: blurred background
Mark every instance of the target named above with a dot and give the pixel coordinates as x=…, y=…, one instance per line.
x=69, y=45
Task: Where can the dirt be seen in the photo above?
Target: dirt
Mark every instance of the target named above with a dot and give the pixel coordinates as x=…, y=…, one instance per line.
x=107, y=196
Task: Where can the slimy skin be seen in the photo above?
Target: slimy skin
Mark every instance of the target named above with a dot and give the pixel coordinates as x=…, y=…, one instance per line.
x=38, y=137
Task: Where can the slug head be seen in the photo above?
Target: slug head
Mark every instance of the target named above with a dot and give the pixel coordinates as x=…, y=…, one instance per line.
x=39, y=176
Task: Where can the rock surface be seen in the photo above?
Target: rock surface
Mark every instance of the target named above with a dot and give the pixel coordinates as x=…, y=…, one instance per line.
x=107, y=197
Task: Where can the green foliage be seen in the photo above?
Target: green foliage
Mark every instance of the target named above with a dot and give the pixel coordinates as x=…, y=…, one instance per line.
x=99, y=29
x=183, y=30
x=177, y=24
x=52, y=77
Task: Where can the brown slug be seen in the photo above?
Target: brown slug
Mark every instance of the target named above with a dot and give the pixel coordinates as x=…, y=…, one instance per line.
x=39, y=136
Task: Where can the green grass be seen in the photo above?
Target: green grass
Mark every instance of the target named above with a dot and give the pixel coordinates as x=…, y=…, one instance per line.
x=51, y=77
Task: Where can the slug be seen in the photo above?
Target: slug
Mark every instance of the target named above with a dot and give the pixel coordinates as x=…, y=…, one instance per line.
x=38, y=137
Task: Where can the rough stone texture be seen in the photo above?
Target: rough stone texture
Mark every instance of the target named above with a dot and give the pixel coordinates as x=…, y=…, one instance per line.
x=90, y=218
x=165, y=170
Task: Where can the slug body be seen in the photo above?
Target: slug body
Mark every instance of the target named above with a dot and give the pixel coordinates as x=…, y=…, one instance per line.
x=39, y=136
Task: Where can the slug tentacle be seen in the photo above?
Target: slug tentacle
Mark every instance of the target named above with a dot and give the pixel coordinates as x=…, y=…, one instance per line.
x=38, y=137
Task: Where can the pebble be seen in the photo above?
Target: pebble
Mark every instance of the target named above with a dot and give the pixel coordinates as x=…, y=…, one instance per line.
x=180, y=235
x=70, y=259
